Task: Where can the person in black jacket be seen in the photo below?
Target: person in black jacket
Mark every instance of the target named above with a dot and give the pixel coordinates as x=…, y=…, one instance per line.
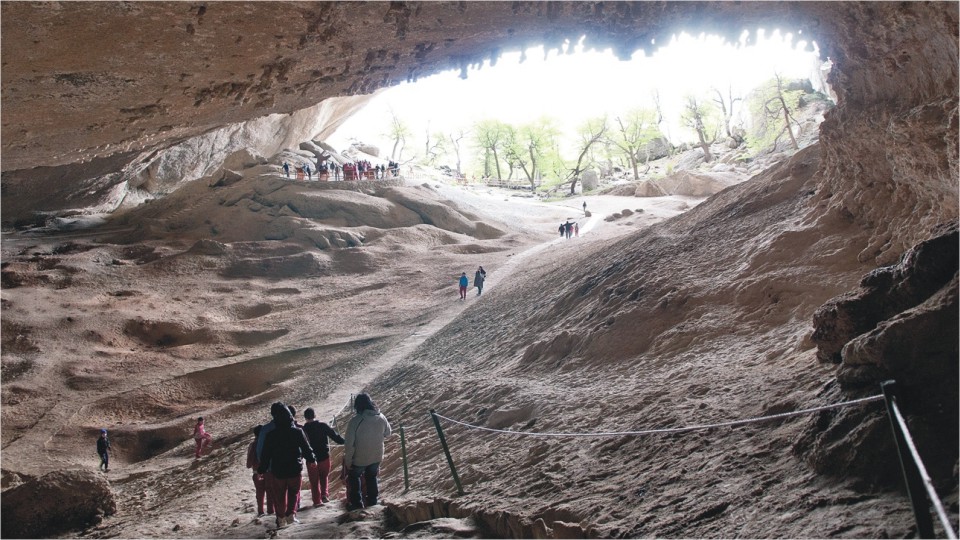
x=317, y=433
x=284, y=450
x=103, y=450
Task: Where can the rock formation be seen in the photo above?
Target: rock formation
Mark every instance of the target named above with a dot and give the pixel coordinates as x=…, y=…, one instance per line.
x=55, y=503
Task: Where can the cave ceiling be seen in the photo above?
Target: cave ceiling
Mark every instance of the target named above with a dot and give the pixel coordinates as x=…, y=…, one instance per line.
x=92, y=79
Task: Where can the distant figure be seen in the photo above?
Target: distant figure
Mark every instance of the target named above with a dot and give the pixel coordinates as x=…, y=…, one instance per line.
x=299, y=172
x=201, y=437
x=576, y=229
x=569, y=229
x=584, y=207
x=286, y=169
x=284, y=449
x=317, y=434
x=464, y=283
x=478, y=280
x=563, y=230
x=363, y=451
x=259, y=482
x=103, y=450
x=293, y=414
x=307, y=169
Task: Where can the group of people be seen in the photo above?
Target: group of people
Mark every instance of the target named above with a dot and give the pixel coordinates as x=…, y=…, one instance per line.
x=329, y=169
x=569, y=229
x=478, y=278
x=281, y=446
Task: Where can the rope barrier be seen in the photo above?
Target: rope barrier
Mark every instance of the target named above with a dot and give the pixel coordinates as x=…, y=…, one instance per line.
x=924, y=475
x=870, y=399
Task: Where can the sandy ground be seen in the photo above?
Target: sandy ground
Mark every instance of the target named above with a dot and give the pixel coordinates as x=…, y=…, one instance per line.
x=142, y=337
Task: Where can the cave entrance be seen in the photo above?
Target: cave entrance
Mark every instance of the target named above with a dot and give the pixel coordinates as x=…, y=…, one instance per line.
x=527, y=116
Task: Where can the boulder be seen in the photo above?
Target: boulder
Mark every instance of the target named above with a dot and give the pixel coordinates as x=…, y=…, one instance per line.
x=656, y=149
x=590, y=179
x=56, y=503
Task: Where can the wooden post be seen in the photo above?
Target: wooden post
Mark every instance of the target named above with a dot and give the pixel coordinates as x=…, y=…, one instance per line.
x=403, y=452
x=446, y=451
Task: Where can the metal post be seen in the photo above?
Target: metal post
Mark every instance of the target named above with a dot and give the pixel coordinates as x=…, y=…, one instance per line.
x=403, y=452
x=911, y=476
x=446, y=450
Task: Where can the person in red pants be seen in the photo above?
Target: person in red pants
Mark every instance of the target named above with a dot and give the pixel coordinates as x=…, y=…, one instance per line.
x=284, y=450
x=259, y=482
x=201, y=437
x=317, y=433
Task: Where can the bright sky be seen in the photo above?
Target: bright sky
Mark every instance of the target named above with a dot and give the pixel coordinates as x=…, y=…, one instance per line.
x=579, y=85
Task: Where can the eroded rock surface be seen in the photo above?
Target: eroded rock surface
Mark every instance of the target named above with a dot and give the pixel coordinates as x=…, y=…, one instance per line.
x=56, y=502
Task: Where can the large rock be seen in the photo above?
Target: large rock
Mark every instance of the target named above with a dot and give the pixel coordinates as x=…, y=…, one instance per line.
x=688, y=183
x=902, y=324
x=590, y=180
x=56, y=503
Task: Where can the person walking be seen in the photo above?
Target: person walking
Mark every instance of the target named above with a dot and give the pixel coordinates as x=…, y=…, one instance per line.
x=576, y=229
x=259, y=482
x=103, y=450
x=563, y=230
x=464, y=283
x=478, y=280
x=286, y=169
x=317, y=434
x=201, y=437
x=584, y=207
x=363, y=451
x=569, y=229
x=284, y=450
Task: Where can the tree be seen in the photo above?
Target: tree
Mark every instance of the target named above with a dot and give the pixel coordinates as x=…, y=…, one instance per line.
x=590, y=133
x=397, y=131
x=631, y=133
x=537, y=139
x=701, y=117
x=772, y=107
x=726, y=107
x=456, y=142
x=490, y=136
x=434, y=147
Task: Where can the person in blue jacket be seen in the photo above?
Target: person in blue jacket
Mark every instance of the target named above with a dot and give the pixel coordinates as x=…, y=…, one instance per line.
x=464, y=283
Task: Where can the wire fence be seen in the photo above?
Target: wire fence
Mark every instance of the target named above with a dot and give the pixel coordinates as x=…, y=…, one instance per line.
x=919, y=484
x=732, y=423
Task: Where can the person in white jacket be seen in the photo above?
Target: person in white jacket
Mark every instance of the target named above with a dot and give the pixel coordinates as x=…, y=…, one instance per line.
x=363, y=451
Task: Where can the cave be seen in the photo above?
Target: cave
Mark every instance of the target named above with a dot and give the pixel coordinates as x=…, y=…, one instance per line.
x=109, y=104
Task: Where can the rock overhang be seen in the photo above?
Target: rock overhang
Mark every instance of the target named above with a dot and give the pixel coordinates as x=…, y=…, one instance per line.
x=85, y=81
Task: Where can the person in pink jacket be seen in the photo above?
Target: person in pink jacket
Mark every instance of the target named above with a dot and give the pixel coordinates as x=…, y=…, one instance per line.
x=201, y=437
x=259, y=481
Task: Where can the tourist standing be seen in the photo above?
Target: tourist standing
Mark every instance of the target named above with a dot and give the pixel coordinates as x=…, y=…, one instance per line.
x=307, y=169
x=363, y=451
x=584, y=207
x=259, y=482
x=464, y=283
x=103, y=450
x=563, y=230
x=478, y=278
x=317, y=434
x=286, y=169
x=284, y=450
x=576, y=229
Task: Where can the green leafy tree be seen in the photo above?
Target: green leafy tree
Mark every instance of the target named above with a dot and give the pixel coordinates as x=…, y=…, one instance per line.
x=590, y=134
x=772, y=108
x=630, y=134
x=530, y=144
x=491, y=136
x=702, y=118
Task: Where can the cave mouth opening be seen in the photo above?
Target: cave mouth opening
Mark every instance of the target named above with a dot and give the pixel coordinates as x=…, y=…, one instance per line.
x=436, y=120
